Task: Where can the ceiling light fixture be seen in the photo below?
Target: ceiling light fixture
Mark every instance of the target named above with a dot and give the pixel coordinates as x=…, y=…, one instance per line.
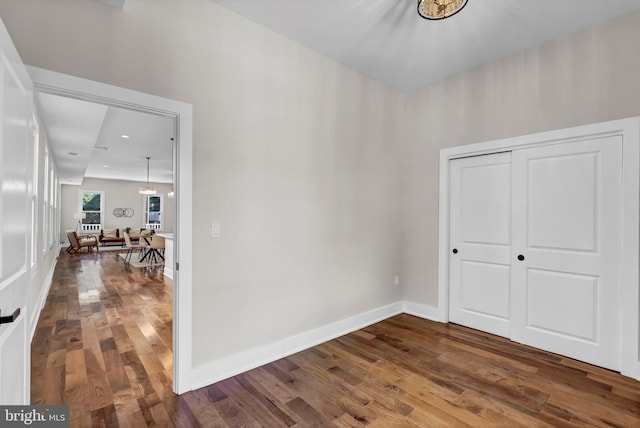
x=124, y=136
x=439, y=9
x=147, y=190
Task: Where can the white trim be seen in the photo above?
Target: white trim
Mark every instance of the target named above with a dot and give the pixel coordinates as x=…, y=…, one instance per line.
x=235, y=364
x=630, y=249
x=42, y=299
x=420, y=310
x=630, y=131
x=74, y=87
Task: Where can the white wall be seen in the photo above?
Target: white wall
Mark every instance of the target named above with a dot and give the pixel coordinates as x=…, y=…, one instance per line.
x=118, y=194
x=587, y=77
x=293, y=154
x=324, y=181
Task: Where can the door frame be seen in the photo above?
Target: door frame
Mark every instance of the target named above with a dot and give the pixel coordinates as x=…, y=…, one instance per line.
x=629, y=129
x=55, y=83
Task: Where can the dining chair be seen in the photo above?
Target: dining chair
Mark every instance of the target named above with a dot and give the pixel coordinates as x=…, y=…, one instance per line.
x=130, y=247
x=157, y=245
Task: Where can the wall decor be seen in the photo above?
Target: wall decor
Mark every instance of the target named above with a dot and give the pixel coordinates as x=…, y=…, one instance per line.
x=123, y=212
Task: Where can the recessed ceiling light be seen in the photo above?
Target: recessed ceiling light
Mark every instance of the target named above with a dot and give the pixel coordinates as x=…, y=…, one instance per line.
x=105, y=166
x=73, y=153
x=124, y=136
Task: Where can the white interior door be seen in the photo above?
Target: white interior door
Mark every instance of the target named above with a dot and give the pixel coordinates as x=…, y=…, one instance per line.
x=566, y=294
x=15, y=167
x=480, y=237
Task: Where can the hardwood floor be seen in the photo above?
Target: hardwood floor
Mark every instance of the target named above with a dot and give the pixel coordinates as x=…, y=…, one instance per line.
x=103, y=342
x=103, y=346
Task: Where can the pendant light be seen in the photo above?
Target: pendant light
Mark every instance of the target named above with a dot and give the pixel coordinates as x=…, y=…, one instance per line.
x=439, y=9
x=147, y=190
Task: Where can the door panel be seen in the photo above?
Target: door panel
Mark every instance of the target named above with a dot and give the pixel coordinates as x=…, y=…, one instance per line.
x=492, y=297
x=14, y=172
x=484, y=200
x=13, y=349
x=567, y=225
x=15, y=164
x=561, y=187
x=562, y=304
x=480, y=232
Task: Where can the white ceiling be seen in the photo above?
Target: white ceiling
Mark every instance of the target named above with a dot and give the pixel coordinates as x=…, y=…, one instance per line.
x=94, y=133
x=384, y=39
x=387, y=40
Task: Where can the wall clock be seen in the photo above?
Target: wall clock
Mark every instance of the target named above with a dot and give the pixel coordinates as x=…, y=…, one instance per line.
x=118, y=212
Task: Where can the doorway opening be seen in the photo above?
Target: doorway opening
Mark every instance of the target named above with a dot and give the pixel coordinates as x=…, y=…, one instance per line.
x=61, y=85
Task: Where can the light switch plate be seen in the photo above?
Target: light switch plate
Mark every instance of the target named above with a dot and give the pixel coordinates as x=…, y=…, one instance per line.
x=215, y=230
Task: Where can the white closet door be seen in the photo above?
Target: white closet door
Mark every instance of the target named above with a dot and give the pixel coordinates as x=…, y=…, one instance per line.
x=480, y=237
x=566, y=227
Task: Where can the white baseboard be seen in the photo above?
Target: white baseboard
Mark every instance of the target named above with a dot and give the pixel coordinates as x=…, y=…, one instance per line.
x=631, y=370
x=42, y=298
x=168, y=272
x=422, y=311
x=230, y=366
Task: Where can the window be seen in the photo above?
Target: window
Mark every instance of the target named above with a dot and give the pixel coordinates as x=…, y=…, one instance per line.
x=51, y=214
x=55, y=210
x=45, y=203
x=91, y=210
x=34, y=194
x=153, y=212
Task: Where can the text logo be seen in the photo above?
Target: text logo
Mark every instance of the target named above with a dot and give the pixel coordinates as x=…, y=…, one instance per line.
x=34, y=416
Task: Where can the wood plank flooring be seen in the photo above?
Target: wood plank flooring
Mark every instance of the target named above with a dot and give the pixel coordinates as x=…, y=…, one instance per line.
x=103, y=346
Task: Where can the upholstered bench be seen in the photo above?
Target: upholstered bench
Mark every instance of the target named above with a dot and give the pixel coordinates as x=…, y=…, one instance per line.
x=110, y=236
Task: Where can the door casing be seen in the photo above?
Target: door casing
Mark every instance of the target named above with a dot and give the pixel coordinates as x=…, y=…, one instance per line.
x=629, y=129
x=16, y=180
x=74, y=87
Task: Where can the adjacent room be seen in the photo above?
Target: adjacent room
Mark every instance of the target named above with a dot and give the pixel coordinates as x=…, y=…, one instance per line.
x=390, y=213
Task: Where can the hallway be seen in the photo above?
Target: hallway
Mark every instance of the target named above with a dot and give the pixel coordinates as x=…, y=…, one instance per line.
x=103, y=342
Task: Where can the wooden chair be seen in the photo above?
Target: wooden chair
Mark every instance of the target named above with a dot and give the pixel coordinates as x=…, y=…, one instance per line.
x=76, y=243
x=130, y=247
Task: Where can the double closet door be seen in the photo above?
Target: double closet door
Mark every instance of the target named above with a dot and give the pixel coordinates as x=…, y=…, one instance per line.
x=535, y=251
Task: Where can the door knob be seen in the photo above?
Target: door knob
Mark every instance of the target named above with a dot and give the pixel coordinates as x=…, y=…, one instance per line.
x=455, y=251
x=10, y=318
x=520, y=257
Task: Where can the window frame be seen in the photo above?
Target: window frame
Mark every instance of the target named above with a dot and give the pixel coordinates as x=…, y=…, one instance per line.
x=45, y=201
x=80, y=209
x=52, y=204
x=34, y=193
x=145, y=212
